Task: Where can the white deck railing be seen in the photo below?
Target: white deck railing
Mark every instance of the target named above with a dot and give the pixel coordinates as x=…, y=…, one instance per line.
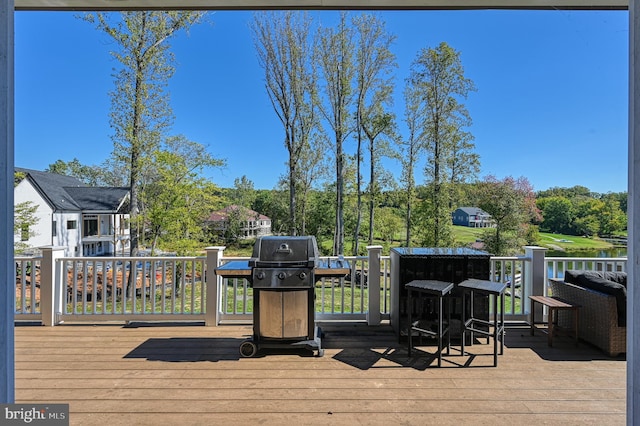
x=53, y=289
x=132, y=288
x=27, y=273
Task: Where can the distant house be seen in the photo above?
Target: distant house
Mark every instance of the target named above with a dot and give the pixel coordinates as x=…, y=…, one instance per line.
x=87, y=221
x=251, y=223
x=473, y=217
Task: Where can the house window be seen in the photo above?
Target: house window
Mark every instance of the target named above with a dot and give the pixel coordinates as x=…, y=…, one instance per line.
x=54, y=229
x=72, y=224
x=89, y=226
x=24, y=232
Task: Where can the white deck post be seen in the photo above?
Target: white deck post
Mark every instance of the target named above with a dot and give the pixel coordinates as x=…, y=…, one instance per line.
x=533, y=280
x=7, y=282
x=50, y=285
x=633, y=210
x=214, y=258
x=373, y=285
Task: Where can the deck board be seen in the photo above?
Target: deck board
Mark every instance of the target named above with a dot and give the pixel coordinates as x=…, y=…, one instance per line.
x=190, y=375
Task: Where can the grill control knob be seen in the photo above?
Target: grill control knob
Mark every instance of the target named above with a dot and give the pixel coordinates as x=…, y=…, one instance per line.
x=302, y=275
x=282, y=275
x=260, y=275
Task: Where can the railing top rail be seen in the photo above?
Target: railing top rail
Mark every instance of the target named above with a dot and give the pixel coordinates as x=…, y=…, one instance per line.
x=120, y=258
x=516, y=258
x=588, y=259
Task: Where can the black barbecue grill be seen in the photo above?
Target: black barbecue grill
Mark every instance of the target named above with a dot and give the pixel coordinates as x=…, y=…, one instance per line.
x=283, y=272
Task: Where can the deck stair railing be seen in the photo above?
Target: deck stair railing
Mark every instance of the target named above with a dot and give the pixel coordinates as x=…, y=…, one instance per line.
x=52, y=289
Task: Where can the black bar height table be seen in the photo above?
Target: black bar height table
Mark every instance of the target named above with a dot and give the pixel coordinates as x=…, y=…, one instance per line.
x=430, y=289
x=469, y=324
x=452, y=265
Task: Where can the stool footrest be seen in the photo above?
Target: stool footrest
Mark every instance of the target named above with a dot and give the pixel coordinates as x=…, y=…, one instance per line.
x=430, y=333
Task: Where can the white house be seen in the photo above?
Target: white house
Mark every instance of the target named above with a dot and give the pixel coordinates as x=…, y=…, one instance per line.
x=253, y=224
x=87, y=221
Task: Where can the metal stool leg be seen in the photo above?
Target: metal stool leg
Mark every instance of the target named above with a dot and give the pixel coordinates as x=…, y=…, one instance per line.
x=409, y=314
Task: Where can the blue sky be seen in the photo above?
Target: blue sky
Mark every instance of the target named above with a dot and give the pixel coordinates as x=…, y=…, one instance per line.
x=551, y=102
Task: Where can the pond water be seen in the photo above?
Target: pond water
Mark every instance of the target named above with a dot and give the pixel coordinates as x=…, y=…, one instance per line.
x=615, y=252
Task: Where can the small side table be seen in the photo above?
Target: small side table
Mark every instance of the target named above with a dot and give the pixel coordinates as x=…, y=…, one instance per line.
x=433, y=289
x=554, y=304
x=468, y=324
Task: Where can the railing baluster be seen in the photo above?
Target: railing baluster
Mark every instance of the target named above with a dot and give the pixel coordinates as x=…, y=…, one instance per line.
x=114, y=286
x=94, y=292
x=193, y=287
x=183, y=281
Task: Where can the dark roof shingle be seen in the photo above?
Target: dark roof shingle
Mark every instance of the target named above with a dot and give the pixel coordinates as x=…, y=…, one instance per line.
x=67, y=193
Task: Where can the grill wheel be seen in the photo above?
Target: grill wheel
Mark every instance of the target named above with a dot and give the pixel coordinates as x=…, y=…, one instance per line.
x=248, y=349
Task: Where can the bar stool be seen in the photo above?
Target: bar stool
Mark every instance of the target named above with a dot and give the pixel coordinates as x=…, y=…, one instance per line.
x=430, y=289
x=490, y=288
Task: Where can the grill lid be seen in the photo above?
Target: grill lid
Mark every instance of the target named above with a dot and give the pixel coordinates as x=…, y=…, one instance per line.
x=287, y=251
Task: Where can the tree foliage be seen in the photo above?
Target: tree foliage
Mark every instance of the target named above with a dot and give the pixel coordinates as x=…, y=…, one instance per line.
x=374, y=64
x=243, y=192
x=578, y=211
x=90, y=175
x=140, y=110
x=410, y=149
x=437, y=80
x=284, y=47
x=558, y=214
x=335, y=47
x=176, y=200
x=24, y=224
x=511, y=204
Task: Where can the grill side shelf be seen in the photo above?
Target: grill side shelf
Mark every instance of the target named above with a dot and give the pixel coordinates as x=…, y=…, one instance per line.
x=241, y=269
x=332, y=268
x=234, y=269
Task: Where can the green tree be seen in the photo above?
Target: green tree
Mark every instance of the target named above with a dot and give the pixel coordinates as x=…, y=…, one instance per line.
x=374, y=127
x=463, y=164
x=388, y=224
x=18, y=177
x=177, y=200
x=408, y=153
x=237, y=217
x=610, y=217
x=321, y=213
x=620, y=197
x=243, y=192
x=557, y=214
x=24, y=222
x=108, y=173
x=374, y=63
x=284, y=48
x=90, y=175
x=437, y=77
x=335, y=47
x=313, y=168
x=273, y=203
x=511, y=204
x=140, y=110
x=577, y=191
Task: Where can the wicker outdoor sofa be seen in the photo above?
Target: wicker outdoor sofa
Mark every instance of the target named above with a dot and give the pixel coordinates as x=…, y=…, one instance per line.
x=602, y=297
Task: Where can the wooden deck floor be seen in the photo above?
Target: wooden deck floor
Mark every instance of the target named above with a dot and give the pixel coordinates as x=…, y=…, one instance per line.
x=193, y=375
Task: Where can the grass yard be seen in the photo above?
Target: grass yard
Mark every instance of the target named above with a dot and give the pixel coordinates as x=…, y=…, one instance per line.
x=571, y=242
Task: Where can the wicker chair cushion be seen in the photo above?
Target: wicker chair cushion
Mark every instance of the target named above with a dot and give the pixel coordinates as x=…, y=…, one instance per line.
x=604, y=282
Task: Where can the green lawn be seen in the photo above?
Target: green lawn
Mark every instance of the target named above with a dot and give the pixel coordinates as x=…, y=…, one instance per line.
x=571, y=242
x=170, y=302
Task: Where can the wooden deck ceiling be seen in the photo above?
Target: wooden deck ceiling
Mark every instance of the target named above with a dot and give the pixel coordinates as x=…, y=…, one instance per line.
x=190, y=375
